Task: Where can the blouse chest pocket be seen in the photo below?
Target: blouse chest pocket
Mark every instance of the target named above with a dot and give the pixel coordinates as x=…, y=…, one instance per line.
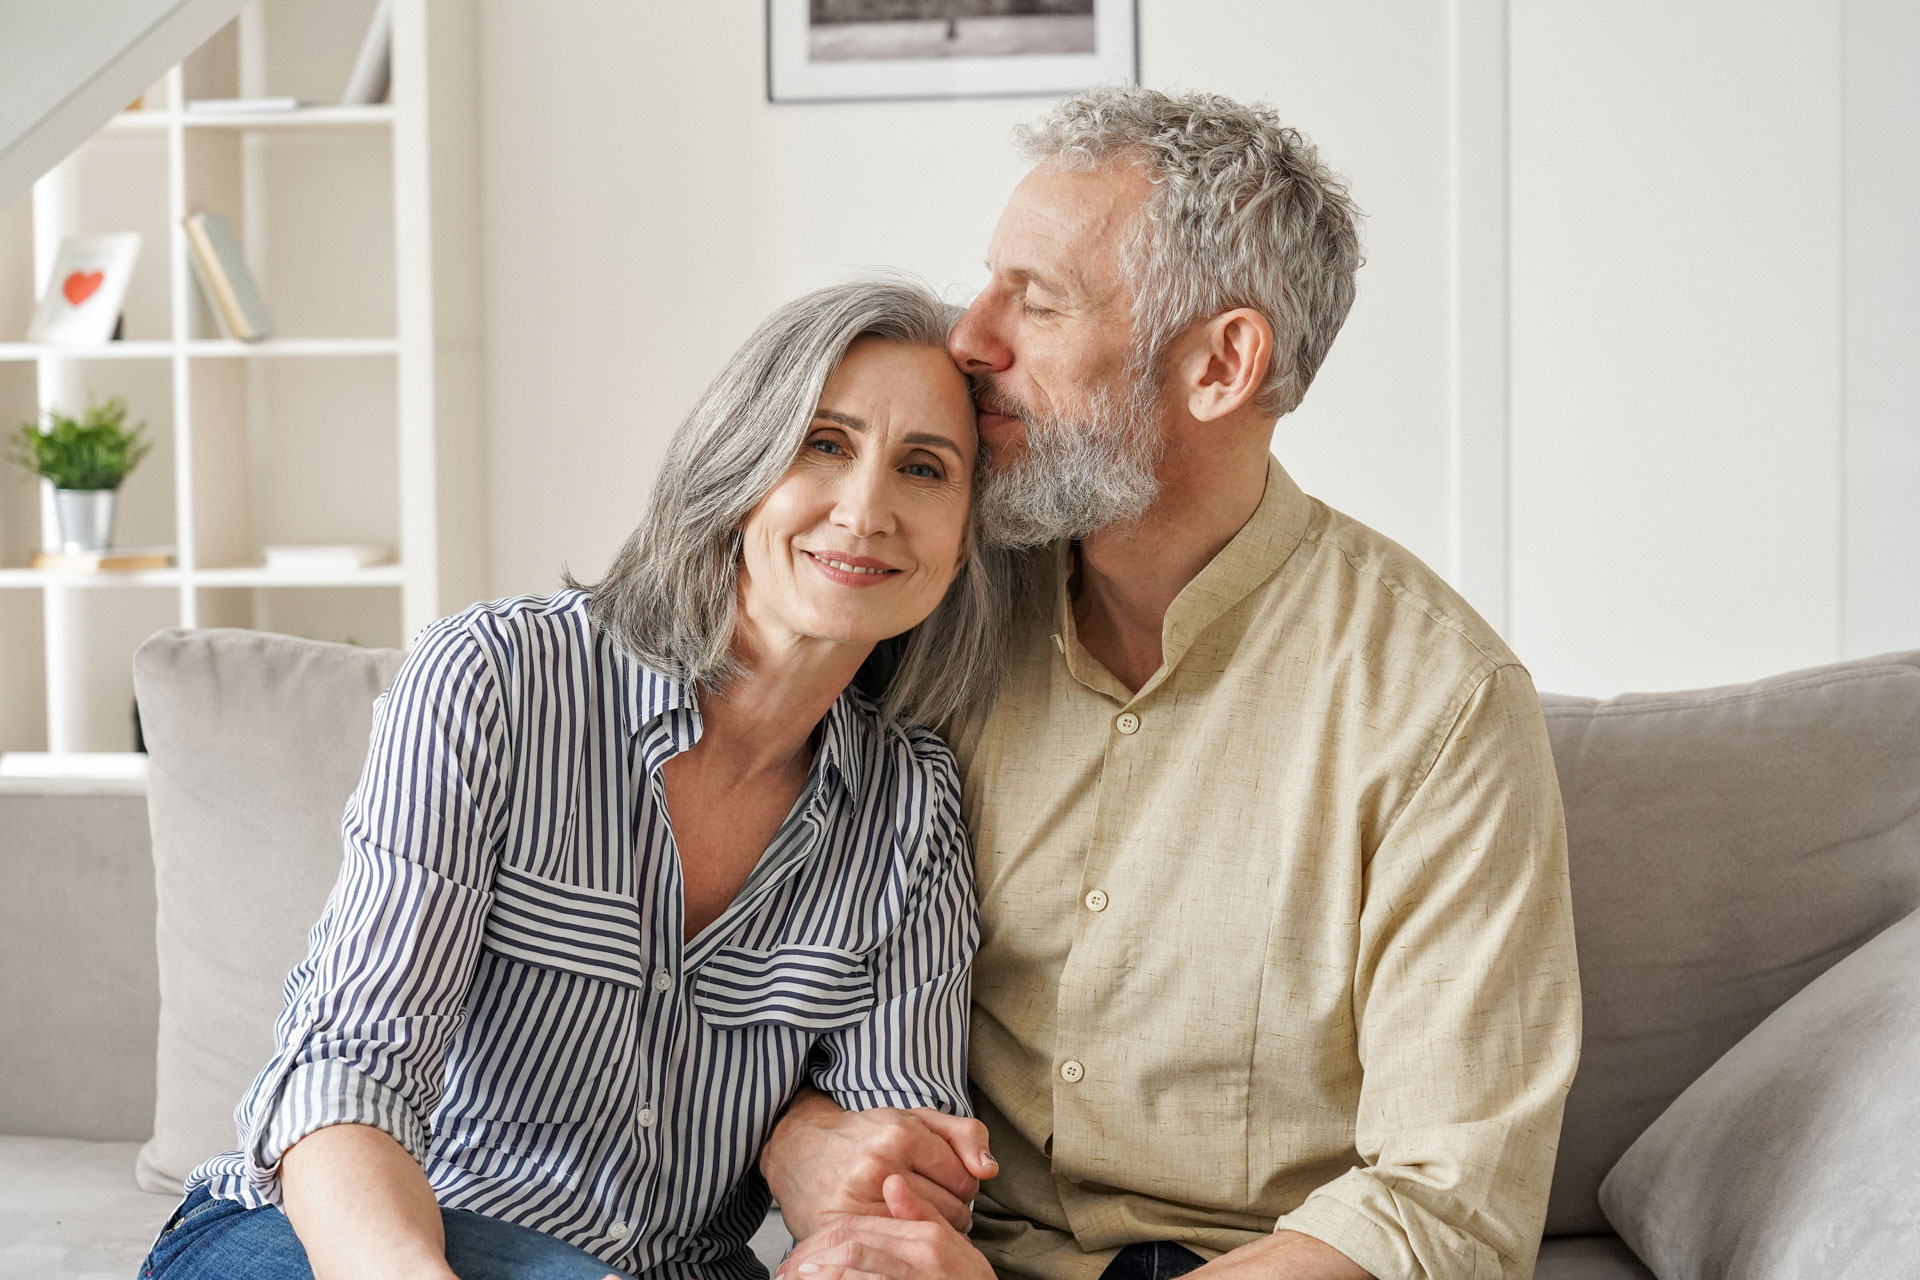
x=565, y=926
x=811, y=989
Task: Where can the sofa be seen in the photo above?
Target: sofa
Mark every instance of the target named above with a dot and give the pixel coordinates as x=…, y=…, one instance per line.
x=1745, y=866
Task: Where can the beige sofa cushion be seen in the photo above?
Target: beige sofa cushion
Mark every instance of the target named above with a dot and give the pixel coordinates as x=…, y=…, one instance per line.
x=1727, y=846
x=1795, y=1154
x=255, y=742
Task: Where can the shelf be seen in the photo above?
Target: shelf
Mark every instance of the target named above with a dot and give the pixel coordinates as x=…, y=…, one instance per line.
x=216, y=348
x=317, y=117
x=146, y=349
x=228, y=347
x=71, y=578
x=379, y=575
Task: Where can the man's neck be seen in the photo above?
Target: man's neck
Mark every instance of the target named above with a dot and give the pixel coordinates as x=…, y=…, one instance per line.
x=1128, y=578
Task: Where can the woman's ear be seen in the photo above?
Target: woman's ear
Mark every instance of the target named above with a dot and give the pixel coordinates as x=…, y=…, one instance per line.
x=1228, y=363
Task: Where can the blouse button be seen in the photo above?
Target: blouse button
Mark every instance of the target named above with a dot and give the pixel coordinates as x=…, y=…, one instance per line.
x=619, y=1231
x=662, y=980
x=646, y=1117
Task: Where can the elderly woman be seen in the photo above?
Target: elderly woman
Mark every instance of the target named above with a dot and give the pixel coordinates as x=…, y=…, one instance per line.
x=631, y=863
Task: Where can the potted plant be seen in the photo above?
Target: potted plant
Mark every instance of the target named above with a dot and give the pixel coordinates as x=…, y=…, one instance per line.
x=85, y=458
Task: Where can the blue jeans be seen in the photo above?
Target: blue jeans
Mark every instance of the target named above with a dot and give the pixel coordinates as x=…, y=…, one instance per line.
x=209, y=1239
x=1155, y=1260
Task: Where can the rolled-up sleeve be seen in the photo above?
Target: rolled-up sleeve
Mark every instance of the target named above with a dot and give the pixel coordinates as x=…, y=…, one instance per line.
x=1468, y=1003
x=911, y=1048
x=370, y=1009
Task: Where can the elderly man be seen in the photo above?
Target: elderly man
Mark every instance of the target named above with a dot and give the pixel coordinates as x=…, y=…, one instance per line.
x=1277, y=968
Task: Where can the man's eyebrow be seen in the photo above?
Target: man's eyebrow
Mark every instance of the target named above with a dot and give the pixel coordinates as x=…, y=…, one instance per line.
x=918, y=437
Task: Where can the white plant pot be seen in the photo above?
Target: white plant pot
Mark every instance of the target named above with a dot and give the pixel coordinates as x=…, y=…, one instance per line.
x=86, y=518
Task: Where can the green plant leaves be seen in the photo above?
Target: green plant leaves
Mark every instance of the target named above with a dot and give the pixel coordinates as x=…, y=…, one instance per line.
x=93, y=451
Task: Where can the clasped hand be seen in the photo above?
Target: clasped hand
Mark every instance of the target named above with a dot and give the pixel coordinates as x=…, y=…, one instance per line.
x=880, y=1193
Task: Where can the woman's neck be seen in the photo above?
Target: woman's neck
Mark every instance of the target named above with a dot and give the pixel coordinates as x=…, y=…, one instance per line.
x=762, y=722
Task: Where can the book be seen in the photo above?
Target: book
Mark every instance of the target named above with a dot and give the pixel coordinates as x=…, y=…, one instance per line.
x=241, y=106
x=325, y=557
x=373, y=69
x=85, y=289
x=112, y=560
x=224, y=278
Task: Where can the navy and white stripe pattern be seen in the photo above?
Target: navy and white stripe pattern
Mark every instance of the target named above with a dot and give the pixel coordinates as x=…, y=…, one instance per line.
x=499, y=978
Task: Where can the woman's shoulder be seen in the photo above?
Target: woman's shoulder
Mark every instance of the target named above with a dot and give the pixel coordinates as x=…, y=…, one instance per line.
x=552, y=625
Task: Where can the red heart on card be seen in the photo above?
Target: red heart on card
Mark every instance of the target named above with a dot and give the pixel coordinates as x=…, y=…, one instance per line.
x=81, y=285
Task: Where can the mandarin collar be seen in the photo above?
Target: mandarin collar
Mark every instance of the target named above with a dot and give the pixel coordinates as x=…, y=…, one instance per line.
x=1250, y=558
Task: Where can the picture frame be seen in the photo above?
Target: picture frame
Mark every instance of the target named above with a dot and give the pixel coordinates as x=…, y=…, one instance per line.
x=865, y=50
x=86, y=289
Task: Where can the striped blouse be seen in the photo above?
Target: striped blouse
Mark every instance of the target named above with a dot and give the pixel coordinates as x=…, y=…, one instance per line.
x=499, y=979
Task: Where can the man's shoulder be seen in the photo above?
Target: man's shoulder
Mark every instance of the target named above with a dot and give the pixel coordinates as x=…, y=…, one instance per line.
x=1389, y=600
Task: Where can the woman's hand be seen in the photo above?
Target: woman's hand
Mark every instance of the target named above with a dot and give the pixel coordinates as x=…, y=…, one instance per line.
x=914, y=1243
x=824, y=1164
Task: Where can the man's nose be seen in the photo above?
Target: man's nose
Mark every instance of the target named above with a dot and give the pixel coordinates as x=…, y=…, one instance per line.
x=974, y=342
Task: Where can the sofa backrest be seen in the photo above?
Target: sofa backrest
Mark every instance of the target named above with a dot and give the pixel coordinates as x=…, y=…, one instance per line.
x=1727, y=846
x=78, y=996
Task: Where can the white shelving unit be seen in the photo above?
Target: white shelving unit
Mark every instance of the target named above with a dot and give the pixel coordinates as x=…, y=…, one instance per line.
x=357, y=422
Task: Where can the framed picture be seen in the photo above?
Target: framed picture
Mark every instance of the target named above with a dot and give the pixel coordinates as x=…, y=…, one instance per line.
x=86, y=289
x=837, y=50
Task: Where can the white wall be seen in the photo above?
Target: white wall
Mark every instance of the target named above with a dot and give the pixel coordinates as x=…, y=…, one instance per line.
x=1620, y=422
x=645, y=206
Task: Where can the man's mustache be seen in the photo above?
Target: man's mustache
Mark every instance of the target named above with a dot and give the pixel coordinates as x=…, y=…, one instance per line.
x=991, y=399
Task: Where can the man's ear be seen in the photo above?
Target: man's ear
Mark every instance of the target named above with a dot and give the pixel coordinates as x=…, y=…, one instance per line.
x=1227, y=363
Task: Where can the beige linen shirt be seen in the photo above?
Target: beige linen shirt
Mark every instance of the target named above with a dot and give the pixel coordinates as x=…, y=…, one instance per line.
x=1283, y=940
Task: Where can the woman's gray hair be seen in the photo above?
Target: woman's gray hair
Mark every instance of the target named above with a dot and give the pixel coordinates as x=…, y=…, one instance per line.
x=1243, y=214
x=669, y=597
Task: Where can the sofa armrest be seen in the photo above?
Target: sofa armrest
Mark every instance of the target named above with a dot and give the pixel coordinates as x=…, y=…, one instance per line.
x=79, y=984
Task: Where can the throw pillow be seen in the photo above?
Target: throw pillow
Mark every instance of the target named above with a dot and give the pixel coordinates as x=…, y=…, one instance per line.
x=1795, y=1154
x=255, y=742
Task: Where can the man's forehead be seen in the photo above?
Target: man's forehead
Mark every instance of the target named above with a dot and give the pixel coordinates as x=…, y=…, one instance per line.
x=1064, y=227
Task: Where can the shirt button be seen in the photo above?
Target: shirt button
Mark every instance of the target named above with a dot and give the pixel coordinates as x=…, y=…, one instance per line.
x=619, y=1231
x=1096, y=899
x=646, y=1117
x=662, y=980
x=1127, y=722
x=1071, y=1071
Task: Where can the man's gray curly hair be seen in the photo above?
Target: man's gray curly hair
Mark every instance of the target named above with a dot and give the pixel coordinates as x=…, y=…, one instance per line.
x=1243, y=214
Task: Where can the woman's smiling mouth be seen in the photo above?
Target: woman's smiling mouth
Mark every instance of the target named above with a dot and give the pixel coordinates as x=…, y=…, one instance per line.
x=852, y=571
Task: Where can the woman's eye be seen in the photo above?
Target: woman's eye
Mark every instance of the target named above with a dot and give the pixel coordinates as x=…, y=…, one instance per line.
x=924, y=470
x=1033, y=310
x=826, y=444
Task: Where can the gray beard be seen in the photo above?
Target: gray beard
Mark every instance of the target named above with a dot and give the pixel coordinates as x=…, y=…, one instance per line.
x=1094, y=468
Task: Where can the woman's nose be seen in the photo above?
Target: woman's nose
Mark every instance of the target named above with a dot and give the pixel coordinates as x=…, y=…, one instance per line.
x=863, y=505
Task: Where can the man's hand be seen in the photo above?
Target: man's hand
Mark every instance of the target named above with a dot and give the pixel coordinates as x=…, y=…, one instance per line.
x=914, y=1243
x=824, y=1164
